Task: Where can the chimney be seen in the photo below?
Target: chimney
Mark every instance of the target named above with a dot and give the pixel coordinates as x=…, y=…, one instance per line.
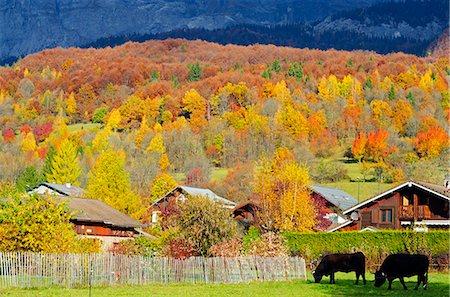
x=68, y=185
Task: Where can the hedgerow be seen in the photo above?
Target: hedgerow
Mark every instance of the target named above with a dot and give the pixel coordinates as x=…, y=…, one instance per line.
x=375, y=245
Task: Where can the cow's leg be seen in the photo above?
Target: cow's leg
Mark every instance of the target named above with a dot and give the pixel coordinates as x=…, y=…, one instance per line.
x=419, y=279
x=390, y=279
x=364, y=277
x=425, y=280
x=403, y=283
x=332, y=278
x=357, y=277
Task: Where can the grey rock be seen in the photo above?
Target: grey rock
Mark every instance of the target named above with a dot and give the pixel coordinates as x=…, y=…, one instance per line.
x=28, y=26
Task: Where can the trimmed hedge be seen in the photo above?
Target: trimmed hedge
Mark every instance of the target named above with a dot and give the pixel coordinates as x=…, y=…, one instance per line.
x=375, y=245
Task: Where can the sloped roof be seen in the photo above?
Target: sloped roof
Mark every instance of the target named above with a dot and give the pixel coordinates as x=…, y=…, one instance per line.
x=206, y=193
x=437, y=190
x=91, y=210
x=191, y=191
x=337, y=197
x=66, y=190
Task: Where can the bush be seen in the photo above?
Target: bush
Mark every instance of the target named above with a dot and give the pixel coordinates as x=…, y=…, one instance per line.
x=375, y=245
x=329, y=172
x=205, y=223
x=141, y=245
x=99, y=115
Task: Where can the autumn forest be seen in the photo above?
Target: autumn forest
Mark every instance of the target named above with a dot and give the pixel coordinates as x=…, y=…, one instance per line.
x=140, y=118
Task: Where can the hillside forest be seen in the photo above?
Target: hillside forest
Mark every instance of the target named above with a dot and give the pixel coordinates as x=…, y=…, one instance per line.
x=249, y=122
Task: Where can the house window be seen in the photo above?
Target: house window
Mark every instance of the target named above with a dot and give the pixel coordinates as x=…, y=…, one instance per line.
x=386, y=215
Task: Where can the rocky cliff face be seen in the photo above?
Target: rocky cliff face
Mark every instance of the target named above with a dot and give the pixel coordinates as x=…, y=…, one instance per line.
x=31, y=25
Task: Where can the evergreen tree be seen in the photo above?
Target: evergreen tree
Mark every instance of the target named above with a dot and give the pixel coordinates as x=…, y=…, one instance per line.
x=195, y=72
x=65, y=166
x=391, y=94
x=29, y=177
x=47, y=169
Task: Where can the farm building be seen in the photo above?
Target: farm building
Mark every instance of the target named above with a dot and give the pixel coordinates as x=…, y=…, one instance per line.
x=182, y=193
x=412, y=204
x=92, y=218
x=335, y=201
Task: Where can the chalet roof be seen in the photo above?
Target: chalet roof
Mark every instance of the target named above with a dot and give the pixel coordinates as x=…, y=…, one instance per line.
x=199, y=192
x=437, y=190
x=65, y=190
x=335, y=227
x=337, y=197
x=96, y=211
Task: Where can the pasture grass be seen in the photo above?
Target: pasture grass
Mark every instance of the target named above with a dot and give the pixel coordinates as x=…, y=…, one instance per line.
x=366, y=189
x=87, y=127
x=439, y=285
x=217, y=174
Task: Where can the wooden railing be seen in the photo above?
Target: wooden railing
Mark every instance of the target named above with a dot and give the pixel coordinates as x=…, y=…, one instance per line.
x=27, y=270
x=407, y=212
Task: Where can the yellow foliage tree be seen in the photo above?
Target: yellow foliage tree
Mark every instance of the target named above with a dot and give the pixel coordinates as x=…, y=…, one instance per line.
x=293, y=121
x=114, y=119
x=29, y=143
x=282, y=92
x=426, y=81
x=402, y=112
x=164, y=163
x=157, y=144
x=283, y=189
x=162, y=184
x=195, y=104
x=109, y=182
x=100, y=142
x=71, y=105
x=65, y=166
x=143, y=130
x=381, y=112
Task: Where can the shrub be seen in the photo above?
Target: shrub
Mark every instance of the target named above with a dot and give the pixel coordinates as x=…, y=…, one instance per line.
x=205, y=223
x=375, y=245
x=329, y=172
x=99, y=115
x=141, y=245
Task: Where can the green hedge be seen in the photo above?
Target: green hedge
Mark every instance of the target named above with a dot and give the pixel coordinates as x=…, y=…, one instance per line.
x=375, y=245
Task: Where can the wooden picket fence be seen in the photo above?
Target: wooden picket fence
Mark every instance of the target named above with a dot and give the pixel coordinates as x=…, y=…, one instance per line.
x=30, y=270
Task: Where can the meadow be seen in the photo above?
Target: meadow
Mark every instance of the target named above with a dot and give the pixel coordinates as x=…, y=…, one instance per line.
x=439, y=285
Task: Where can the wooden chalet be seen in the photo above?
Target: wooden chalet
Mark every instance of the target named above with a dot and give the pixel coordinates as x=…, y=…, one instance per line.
x=182, y=193
x=412, y=204
x=92, y=218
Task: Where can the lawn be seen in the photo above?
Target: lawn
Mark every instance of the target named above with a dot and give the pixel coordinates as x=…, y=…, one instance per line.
x=439, y=285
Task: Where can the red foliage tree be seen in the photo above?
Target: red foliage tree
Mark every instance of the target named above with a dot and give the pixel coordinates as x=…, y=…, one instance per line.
x=8, y=135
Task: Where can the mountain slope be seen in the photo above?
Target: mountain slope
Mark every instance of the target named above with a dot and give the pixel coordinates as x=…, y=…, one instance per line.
x=29, y=26
x=386, y=27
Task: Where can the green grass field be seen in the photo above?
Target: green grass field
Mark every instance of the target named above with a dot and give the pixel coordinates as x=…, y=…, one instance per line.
x=87, y=127
x=217, y=174
x=366, y=189
x=439, y=285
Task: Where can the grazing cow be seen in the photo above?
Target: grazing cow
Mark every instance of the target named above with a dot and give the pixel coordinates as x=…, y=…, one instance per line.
x=341, y=262
x=403, y=265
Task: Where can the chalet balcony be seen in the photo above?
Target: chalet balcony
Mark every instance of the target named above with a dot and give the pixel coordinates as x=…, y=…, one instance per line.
x=407, y=212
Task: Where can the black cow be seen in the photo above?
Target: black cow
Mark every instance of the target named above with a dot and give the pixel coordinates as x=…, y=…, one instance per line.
x=403, y=265
x=341, y=262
